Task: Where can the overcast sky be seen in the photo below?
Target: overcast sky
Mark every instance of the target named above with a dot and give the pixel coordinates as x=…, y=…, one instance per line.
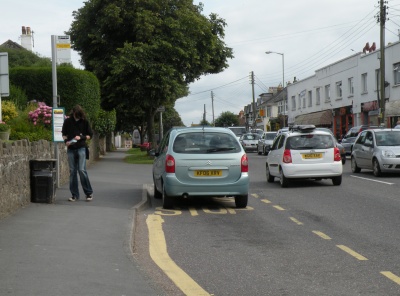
x=310, y=33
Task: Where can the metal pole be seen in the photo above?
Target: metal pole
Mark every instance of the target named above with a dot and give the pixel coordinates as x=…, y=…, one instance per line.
x=382, y=61
x=54, y=79
x=254, y=103
x=283, y=87
x=283, y=84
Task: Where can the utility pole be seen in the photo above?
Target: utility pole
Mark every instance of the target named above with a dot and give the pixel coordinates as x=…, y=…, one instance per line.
x=204, y=114
x=254, y=103
x=382, y=20
x=212, y=106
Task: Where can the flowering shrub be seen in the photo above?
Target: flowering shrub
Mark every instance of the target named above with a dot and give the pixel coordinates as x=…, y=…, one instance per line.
x=8, y=110
x=42, y=115
x=4, y=127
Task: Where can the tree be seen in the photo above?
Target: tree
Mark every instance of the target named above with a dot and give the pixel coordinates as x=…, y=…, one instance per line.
x=227, y=119
x=146, y=52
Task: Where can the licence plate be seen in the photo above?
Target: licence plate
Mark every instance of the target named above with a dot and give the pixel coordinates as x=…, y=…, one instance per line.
x=208, y=173
x=312, y=155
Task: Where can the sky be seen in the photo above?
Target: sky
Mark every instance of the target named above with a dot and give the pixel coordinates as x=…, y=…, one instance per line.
x=310, y=34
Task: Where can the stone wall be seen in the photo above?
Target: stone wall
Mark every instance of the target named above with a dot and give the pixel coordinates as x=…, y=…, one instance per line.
x=15, y=157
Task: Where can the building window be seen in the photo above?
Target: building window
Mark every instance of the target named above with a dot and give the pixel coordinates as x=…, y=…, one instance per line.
x=299, y=102
x=396, y=73
x=280, y=107
x=327, y=93
x=304, y=101
x=269, y=111
x=364, y=86
x=351, y=86
x=318, y=96
x=339, y=90
x=309, y=98
x=293, y=103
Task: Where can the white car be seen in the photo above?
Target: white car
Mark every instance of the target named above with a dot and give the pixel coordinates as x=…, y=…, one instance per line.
x=304, y=153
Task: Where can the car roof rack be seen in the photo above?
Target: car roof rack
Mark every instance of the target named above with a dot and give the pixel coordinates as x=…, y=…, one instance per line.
x=302, y=128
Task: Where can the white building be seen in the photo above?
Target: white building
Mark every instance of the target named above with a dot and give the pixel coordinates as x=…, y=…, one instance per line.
x=344, y=94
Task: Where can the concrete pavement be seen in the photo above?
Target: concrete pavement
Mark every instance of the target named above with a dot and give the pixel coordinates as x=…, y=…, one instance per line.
x=79, y=248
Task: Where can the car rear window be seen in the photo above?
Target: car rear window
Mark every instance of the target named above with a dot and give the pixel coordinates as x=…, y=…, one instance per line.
x=206, y=142
x=309, y=141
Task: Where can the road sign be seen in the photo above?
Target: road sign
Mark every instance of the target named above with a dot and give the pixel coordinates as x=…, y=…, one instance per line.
x=4, y=79
x=161, y=109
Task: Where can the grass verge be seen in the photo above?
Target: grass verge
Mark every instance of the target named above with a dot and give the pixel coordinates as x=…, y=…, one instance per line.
x=138, y=157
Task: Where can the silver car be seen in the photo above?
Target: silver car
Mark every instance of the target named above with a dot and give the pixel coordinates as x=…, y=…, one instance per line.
x=200, y=162
x=265, y=142
x=377, y=150
x=249, y=141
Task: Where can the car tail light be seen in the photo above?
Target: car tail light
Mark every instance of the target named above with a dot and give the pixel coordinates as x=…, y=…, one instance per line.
x=287, y=156
x=169, y=164
x=244, y=164
x=336, y=154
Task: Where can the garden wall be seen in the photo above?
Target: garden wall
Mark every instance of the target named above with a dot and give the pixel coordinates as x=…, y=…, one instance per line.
x=15, y=191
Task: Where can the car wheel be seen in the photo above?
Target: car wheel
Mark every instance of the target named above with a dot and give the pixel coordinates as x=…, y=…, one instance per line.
x=258, y=150
x=354, y=167
x=337, y=180
x=241, y=201
x=270, y=178
x=157, y=194
x=377, y=168
x=284, y=181
x=344, y=159
x=264, y=152
x=166, y=200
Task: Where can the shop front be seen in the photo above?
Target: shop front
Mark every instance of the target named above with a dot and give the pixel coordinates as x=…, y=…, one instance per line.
x=343, y=120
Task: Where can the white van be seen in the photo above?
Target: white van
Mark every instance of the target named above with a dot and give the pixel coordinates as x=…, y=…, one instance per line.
x=238, y=130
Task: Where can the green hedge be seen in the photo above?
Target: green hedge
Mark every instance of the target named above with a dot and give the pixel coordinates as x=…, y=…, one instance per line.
x=74, y=86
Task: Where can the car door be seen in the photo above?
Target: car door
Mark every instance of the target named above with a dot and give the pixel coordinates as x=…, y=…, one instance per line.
x=275, y=155
x=365, y=149
x=159, y=161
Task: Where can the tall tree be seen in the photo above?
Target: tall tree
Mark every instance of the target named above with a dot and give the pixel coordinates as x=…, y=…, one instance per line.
x=147, y=52
x=227, y=118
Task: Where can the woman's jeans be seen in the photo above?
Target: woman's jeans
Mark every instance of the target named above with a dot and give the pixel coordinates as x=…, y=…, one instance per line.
x=77, y=164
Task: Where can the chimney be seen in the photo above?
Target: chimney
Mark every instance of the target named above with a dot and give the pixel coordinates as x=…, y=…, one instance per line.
x=26, y=38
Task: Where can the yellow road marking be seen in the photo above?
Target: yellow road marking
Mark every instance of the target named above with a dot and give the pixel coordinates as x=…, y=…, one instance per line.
x=279, y=208
x=351, y=252
x=296, y=221
x=159, y=254
x=217, y=211
x=391, y=276
x=255, y=195
x=266, y=201
x=193, y=211
x=321, y=234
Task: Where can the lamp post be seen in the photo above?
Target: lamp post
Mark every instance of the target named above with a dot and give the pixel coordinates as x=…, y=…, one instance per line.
x=283, y=82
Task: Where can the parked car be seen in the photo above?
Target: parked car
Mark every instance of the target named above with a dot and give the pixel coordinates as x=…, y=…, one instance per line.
x=377, y=150
x=200, y=162
x=349, y=138
x=340, y=146
x=304, y=153
x=249, y=141
x=265, y=142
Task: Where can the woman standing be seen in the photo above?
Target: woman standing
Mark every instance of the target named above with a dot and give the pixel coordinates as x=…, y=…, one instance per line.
x=75, y=131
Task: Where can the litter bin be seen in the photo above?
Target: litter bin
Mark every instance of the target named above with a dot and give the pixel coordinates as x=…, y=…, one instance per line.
x=43, y=180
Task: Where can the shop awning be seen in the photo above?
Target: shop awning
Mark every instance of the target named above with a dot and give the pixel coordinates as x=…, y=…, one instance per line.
x=316, y=118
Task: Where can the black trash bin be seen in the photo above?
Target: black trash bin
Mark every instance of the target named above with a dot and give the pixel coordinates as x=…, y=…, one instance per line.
x=43, y=180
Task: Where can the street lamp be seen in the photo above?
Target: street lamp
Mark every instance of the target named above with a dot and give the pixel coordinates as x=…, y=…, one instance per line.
x=283, y=82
